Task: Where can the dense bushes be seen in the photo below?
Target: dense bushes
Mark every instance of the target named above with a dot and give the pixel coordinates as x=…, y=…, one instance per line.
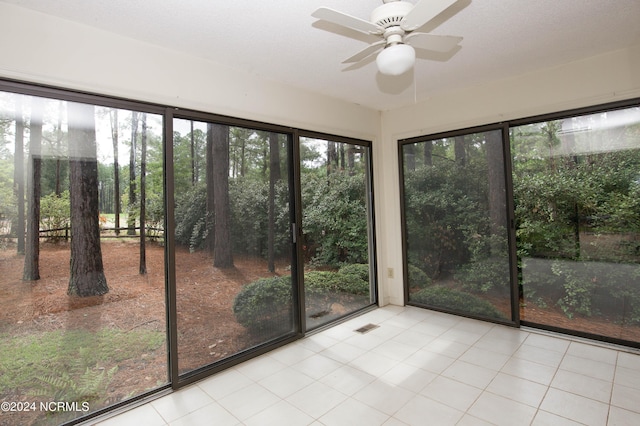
x=578, y=218
x=335, y=221
x=332, y=282
x=417, y=278
x=334, y=218
x=265, y=306
x=488, y=266
x=191, y=225
x=584, y=288
x=455, y=300
x=249, y=217
x=55, y=212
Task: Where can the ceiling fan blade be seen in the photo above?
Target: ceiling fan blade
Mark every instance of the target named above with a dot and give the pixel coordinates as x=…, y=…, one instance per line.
x=437, y=43
x=345, y=20
x=423, y=12
x=367, y=51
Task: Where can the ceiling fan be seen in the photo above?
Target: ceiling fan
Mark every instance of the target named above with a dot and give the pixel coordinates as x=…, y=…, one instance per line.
x=395, y=21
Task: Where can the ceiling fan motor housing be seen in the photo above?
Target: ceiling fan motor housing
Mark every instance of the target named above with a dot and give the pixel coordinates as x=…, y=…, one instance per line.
x=391, y=13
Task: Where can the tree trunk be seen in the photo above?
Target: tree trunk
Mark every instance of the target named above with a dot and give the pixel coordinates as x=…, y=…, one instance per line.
x=31, y=271
x=116, y=169
x=222, y=247
x=459, y=151
x=210, y=213
x=143, y=197
x=193, y=157
x=332, y=157
x=87, y=272
x=59, y=138
x=18, y=173
x=242, y=156
x=351, y=159
x=428, y=151
x=410, y=157
x=497, y=186
x=131, y=221
x=274, y=176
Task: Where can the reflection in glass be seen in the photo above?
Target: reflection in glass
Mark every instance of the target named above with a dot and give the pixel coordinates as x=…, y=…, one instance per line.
x=455, y=225
x=336, y=229
x=577, y=190
x=233, y=240
x=82, y=298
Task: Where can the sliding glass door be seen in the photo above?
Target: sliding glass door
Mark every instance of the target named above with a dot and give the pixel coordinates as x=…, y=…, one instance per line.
x=576, y=183
x=233, y=256
x=82, y=277
x=337, y=235
x=145, y=247
x=455, y=224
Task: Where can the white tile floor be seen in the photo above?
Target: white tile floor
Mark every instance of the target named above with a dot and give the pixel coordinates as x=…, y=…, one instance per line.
x=418, y=368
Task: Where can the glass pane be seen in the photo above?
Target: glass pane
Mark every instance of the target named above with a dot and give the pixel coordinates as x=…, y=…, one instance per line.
x=336, y=234
x=82, y=286
x=455, y=225
x=233, y=240
x=577, y=193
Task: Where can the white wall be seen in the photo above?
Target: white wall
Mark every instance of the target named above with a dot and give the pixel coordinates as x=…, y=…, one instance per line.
x=605, y=78
x=43, y=49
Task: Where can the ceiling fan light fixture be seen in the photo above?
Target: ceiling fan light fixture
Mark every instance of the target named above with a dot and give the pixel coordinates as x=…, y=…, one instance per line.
x=396, y=59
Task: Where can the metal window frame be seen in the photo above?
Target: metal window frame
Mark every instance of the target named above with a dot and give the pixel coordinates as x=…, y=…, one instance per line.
x=513, y=279
x=507, y=126
x=169, y=113
x=373, y=264
x=570, y=113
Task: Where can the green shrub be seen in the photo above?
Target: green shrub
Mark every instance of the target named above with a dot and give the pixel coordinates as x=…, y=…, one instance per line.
x=360, y=270
x=456, y=300
x=191, y=226
x=264, y=306
x=332, y=282
x=335, y=219
x=8, y=200
x=55, y=213
x=249, y=201
x=417, y=278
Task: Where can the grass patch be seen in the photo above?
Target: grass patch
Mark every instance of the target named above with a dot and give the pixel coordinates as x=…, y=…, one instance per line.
x=29, y=364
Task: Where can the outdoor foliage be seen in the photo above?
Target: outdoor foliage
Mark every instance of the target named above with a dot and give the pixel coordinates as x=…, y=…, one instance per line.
x=456, y=300
x=265, y=305
x=417, y=278
x=488, y=266
x=328, y=282
x=441, y=211
x=359, y=270
x=578, y=218
x=55, y=214
x=456, y=249
x=335, y=219
x=32, y=362
x=8, y=200
x=191, y=224
x=249, y=217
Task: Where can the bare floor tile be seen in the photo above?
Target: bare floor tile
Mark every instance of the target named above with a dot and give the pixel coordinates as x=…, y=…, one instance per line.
x=419, y=367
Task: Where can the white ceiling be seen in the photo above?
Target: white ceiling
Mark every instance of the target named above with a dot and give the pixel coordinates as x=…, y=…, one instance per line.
x=279, y=40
